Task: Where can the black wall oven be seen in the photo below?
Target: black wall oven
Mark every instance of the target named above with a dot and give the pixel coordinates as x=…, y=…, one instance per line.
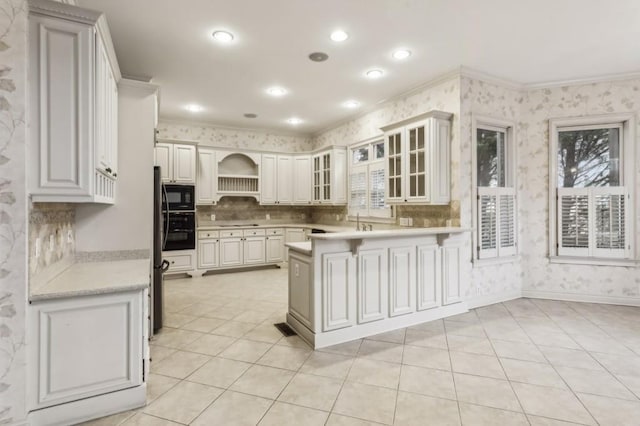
x=178, y=197
x=180, y=230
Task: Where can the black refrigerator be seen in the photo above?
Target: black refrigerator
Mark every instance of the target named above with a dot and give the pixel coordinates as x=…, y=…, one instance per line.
x=159, y=265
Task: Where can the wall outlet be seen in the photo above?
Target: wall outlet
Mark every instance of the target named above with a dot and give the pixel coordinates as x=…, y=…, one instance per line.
x=37, y=250
x=337, y=218
x=409, y=221
x=213, y=217
x=404, y=221
x=267, y=216
x=52, y=242
x=69, y=236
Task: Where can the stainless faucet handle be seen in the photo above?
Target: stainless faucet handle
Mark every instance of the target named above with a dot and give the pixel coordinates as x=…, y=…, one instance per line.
x=370, y=227
x=364, y=226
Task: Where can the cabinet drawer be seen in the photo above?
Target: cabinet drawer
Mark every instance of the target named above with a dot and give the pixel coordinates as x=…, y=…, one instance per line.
x=179, y=262
x=228, y=234
x=208, y=234
x=254, y=232
x=275, y=231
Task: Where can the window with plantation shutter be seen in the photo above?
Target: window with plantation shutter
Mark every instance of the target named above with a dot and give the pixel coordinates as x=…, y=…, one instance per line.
x=592, y=175
x=494, y=179
x=367, y=181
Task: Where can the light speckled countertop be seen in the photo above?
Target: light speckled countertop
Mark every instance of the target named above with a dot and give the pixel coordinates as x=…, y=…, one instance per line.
x=349, y=226
x=83, y=279
x=303, y=247
x=388, y=233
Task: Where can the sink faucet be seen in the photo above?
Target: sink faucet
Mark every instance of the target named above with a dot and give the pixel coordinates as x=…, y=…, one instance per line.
x=357, y=221
x=364, y=226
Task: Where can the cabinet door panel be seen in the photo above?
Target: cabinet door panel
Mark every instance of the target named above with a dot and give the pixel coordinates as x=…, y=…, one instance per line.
x=372, y=285
x=269, y=179
x=302, y=179
x=428, y=261
x=62, y=74
x=231, y=252
x=451, y=263
x=208, y=254
x=300, y=290
x=275, y=249
x=206, y=182
x=163, y=154
x=285, y=179
x=338, y=298
x=441, y=159
x=402, y=280
x=184, y=167
x=254, y=250
x=74, y=336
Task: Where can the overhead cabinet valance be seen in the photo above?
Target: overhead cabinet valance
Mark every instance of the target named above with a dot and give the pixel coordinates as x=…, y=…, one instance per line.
x=418, y=159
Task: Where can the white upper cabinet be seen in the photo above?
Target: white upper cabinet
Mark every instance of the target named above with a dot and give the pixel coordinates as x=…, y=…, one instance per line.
x=206, y=182
x=418, y=159
x=177, y=162
x=329, y=177
x=73, y=105
x=301, y=176
x=279, y=178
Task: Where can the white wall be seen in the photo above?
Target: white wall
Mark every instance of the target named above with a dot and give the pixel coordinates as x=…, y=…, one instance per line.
x=127, y=225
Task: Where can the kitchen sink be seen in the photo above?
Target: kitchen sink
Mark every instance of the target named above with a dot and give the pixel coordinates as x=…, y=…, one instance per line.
x=239, y=226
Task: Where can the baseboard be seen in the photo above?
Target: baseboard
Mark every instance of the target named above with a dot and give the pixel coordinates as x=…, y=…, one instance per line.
x=490, y=299
x=576, y=297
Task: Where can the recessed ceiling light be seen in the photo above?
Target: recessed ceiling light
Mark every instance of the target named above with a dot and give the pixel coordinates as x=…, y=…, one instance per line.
x=401, y=54
x=339, y=35
x=318, y=56
x=250, y=115
x=276, y=91
x=222, y=36
x=193, y=108
x=351, y=104
x=373, y=74
x=294, y=120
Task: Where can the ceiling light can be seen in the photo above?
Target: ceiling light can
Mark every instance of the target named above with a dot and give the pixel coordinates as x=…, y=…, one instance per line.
x=401, y=54
x=294, y=121
x=351, y=104
x=276, y=91
x=339, y=35
x=193, y=108
x=374, y=73
x=318, y=56
x=222, y=36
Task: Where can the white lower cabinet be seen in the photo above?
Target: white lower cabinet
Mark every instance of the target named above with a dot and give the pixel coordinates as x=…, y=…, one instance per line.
x=429, y=271
x=254, y=250
x=208, y=253
x=231, y=251
x=85, y=346
x=451, y=263
x=180, y=260
x=275, y=248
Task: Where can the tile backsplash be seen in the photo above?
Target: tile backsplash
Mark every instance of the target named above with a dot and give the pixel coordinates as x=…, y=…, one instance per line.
x=51, y=224
x=247, y=208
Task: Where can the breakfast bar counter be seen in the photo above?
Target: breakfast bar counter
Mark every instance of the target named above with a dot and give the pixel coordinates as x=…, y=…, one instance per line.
x=349, y=285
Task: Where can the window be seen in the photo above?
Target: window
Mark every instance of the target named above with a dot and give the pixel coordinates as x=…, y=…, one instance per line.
x=591, y=182
x=367, y=181
x=494, y=183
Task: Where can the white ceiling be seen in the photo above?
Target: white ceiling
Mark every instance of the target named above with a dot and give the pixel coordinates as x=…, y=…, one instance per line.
x=525, y=41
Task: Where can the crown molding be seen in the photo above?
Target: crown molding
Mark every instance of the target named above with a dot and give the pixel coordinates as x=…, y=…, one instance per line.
x=64, y=11
x=587, y=80
x=139, y=85
x=490, y=78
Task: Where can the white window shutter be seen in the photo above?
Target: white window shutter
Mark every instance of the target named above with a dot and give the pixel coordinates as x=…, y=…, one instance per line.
x=507, y=222
x=358, y=191
x=377, y=206
x=610, y=237
x=574, y=224
x=487, y=223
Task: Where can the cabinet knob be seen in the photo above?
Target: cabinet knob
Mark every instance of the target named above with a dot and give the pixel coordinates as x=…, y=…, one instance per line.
x=173, y=261
x=108, y=170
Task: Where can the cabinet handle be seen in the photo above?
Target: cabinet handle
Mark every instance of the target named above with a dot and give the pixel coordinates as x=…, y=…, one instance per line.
x=173, y=261
x=267, y=238
x=115, y=175
x=108, y=170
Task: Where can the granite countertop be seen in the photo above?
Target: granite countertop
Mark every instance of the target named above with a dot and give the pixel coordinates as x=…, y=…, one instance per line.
x=218, y=226
x=303, y=247
x=388, y=233
x=83, y=279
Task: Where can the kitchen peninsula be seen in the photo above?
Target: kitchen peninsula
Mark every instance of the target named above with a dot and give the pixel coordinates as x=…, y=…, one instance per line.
x=349, y=285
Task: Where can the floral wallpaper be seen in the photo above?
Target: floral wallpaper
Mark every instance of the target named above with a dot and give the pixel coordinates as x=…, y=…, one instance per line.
x=13, y=281
x=569, y=101
x=231, y=138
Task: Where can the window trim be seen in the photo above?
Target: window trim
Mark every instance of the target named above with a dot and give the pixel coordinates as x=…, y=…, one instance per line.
x=370, y=142
x=509, y=127
x=627, y=168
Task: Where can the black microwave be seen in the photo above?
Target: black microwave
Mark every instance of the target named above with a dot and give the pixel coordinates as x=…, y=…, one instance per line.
x=178, y=197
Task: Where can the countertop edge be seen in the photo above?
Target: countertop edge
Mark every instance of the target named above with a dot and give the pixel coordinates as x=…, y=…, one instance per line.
x=388, y=233
x=303, y=247
x=88, y=292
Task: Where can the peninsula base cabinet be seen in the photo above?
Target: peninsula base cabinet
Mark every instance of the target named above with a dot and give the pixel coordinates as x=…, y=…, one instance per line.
x=357, y=288
x=86, y=356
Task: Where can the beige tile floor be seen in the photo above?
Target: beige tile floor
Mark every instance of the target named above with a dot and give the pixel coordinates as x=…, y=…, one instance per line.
x=219, y=361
